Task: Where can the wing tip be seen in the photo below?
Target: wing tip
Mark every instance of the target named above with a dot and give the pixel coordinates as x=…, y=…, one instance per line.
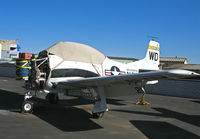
x=183, y=72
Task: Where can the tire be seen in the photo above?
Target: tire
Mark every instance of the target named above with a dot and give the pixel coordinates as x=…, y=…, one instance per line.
x=27, y=106
x=52, y=98
x=98, y=115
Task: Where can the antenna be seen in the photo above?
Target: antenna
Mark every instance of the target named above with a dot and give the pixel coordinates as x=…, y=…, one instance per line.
x=17, y=39
x=153, y=37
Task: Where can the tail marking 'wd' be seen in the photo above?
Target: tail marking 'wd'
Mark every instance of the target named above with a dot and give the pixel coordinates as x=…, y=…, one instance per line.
x=153, y=56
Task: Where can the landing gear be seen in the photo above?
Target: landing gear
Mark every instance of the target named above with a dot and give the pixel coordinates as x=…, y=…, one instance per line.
x=52, y=98
x=100, y=106
x=37, y=78
x=98, y=115
x=27, y=106
x=142, y=101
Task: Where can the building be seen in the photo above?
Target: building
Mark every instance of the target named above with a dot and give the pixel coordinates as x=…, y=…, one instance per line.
x=173, y=60
x=8, y=48
x=166, y=62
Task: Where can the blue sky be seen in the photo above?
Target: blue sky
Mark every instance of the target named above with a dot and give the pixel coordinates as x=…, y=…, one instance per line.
x=114, y=27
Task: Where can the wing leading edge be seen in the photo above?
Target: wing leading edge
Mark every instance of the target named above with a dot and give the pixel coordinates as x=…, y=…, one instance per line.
x=146, y=76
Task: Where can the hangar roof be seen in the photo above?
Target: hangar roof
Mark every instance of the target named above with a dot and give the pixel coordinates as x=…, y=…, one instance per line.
x=173, y=59
x=184, y=66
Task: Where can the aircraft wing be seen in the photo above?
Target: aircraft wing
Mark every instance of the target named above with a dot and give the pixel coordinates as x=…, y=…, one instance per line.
x=129, y=78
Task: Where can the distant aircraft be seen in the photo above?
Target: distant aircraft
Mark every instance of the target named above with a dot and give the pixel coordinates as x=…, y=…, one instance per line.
x=79, y=70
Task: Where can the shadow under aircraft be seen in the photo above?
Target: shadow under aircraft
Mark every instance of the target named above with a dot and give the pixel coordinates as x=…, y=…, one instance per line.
x=63, y=115
x=162, y=130
x=196, y=101
x=191, y=119
x=65, y=119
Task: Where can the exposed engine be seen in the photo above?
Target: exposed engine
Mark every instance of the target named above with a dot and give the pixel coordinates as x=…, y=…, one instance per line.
x=39, y=72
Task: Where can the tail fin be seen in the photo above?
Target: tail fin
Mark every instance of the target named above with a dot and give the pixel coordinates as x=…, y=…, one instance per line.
x=151, y=61
x=153, y=54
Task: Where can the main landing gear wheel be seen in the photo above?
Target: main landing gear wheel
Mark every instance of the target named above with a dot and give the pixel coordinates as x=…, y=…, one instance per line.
x=98, y=115
x=27, y=106
x=52, y=98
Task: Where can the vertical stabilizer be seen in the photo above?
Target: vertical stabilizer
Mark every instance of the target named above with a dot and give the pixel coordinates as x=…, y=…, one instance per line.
x=151, y=60
x=153, y=52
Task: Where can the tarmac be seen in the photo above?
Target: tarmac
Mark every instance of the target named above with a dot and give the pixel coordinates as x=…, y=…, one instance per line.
x=166, y=117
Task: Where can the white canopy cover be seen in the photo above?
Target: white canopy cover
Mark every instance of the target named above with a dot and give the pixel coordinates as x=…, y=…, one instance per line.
x=71, y=51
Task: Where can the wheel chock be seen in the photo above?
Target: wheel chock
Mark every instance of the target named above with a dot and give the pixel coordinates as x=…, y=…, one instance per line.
x=142, y=101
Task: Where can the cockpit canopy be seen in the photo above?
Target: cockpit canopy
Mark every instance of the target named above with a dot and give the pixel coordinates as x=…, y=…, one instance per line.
x=70, y=51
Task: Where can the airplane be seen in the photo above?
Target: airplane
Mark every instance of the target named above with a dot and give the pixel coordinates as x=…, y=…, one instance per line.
x=76, y=69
